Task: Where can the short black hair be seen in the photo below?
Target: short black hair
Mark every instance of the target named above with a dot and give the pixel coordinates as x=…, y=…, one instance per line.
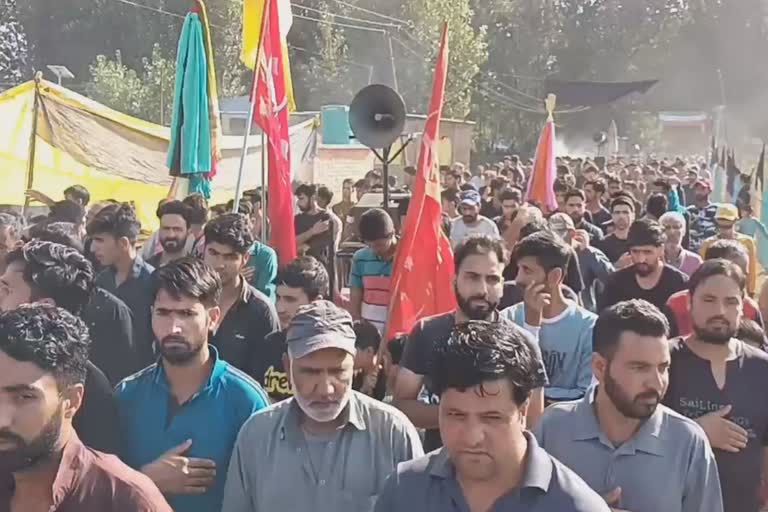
x=230, y=229
x=117, y=221
x=560, y=185
x=636, y=315
x=56, y=272
x=717, y=267
x=725, y=249
x=450, y=194
x=622, y=199
x=67, y=211
x=375, y=224
x=645, y=232
x=243, y=207
x=80, y=193
x=663, y=185
x=188, y=277
x=51, y=338
x=325, y=194
x=306, y=189
x=480, y=351
x=64, y=233
x=535, y=225
x=366, y=336
x=307, y=273
x=597, y=185
x=511, y=194
x=175, y=208
x=198, y=213
x=546, y=248
x=657, y=205
x=396, y=347
x=480, y=244
x=575, y=192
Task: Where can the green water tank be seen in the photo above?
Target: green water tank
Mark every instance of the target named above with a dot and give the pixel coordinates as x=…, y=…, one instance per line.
x=334, y=123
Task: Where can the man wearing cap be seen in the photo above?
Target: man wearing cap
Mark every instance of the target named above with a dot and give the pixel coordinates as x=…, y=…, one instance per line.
x=593, y=263
x=726, y=216
x=471, y=223
x=328, y=448
x=702, y=213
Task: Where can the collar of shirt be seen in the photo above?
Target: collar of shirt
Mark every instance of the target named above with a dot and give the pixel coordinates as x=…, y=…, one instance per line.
x=538, y=466
x=290, y=429
x=647, y=439
x=138, y=268
x=217, y=371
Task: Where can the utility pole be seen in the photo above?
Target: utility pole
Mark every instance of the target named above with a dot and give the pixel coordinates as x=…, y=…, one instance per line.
x=392, y=62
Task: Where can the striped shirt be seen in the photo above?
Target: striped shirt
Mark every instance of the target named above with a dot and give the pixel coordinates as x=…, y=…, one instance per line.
x=372, y=274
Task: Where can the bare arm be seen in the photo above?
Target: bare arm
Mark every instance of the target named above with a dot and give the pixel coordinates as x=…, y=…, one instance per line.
x=407, y=389
x=38, y=196
x=304, y=237
x=356, y=303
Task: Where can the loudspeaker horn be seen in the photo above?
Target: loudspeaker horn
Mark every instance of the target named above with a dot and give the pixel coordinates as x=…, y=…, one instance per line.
x=377, y=116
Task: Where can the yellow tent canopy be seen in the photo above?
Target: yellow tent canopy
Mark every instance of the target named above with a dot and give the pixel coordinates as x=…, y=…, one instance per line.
x=79, y=141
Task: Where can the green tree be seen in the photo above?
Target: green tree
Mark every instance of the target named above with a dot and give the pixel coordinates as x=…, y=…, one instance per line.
x=146, y=94
x=467, y=47
x=14, y=59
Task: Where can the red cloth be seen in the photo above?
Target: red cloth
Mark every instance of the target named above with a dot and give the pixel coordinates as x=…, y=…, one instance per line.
x=271, y=114
x=541, y=187
x=422, y=275
x=680, y=305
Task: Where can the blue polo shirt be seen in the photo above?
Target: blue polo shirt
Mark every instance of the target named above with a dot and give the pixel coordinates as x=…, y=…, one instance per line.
x=151, y=424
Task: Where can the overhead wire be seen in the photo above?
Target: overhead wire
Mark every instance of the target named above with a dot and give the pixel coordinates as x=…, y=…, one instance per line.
x=373, y=13
x=343, y=16
x=335, y=23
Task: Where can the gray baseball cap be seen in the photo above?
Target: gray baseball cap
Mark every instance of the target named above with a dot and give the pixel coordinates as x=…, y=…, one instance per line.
x=320, y=325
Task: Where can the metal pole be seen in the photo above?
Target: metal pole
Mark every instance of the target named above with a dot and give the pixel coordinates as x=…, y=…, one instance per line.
x=32, y=142
x=722, y=99
x=385, y=174
x=264, y=180
x=392, y=62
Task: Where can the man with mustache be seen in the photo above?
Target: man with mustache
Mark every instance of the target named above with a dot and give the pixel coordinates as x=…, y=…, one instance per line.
x=328, y=448
x=43, y=463
x=179, y=417
x=479, y=286
x=719, y=381
x=563, y=327
x=471, y=222
x=640, y=455
x=648, y=278
x=174, y=232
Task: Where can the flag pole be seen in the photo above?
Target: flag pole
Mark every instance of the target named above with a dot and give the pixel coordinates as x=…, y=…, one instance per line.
x=249, y=122
x=32, y=141
x=264, y=198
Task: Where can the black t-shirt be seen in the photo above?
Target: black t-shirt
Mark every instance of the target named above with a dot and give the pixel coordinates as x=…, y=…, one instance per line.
x=602, y=217
x=613, y=247
x=417, y=358
x=622, y=285
x=268, y=367
x=96, y=423
x=113, y=348
x=693, y=392
x=489, y=208
x=319, y=245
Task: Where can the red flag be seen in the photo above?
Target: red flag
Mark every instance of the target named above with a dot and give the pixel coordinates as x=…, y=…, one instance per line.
x=541, y=186
x=271, y=114
x=422, y=279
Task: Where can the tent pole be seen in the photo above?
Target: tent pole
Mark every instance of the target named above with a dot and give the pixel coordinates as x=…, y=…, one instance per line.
x=32, y=142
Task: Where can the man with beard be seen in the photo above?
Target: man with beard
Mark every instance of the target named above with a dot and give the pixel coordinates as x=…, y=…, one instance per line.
x=702, y=213
x=563, y=328
x=174, y=231
x=479, y=287
x=43, y=463
x=594, y=190
x=648, y=278
x=471, y=223
x=485, y=373
x=314, y=233
x=179, y=417
x=615, y=245
x=640, y=455
x=726, y=217
x=575, y=201
x=247, y=316
x=719, y=381
x=328, y=448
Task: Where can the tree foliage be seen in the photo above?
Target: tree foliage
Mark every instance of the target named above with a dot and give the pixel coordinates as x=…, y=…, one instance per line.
x=14, y=64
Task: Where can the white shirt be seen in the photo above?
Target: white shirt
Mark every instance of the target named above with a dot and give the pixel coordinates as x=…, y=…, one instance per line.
x=461, y=231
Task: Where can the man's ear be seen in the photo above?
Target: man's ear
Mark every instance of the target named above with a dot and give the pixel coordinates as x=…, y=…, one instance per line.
x=214, y=314
x=72, y=399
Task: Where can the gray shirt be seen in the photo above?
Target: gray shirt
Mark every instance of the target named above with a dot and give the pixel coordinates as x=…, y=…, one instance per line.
x=666, y=466
x=429, y=484
x=271, y=469
x=483, y=226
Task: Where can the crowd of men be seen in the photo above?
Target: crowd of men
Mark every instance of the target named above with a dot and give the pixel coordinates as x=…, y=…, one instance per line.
x=607, y=355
